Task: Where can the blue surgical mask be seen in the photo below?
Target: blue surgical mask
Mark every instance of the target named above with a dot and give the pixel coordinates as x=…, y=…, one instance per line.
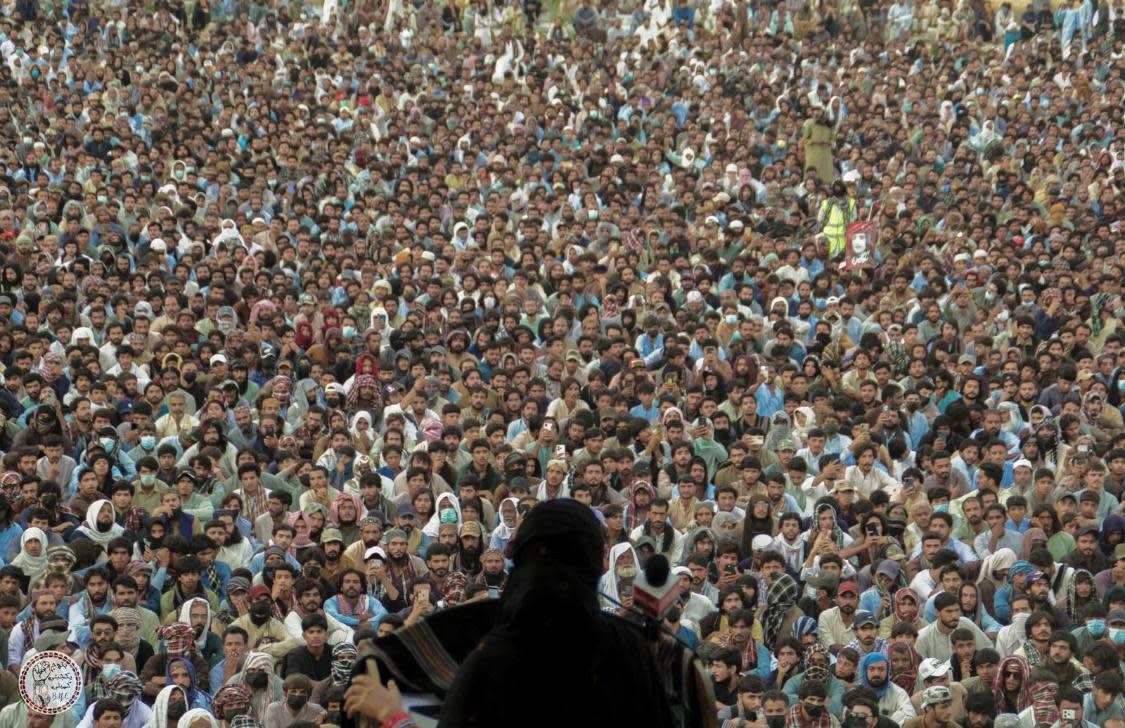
x=148, y=442
x=109, y=671
x=107, y=443
x=448, y=515
x=148, y=479
x=1118, y=636
x=1096, y=627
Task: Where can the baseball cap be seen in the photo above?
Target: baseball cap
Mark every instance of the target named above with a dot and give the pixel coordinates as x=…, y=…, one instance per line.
x=470, y=528
x=1035, y=576
x=932, y=667
x=936, y=695
x=1115, y=616
x=1087, y=530
x=967, y=359
x=375, y=552
x=1119, y=552
x=785, y=444
x=863, y=618
x=847, y=586
x=329, y=535
x=259, y=591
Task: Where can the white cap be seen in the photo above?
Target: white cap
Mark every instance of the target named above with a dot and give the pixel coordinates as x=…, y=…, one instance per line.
x=375, y=552
x=218, y=359
x=159, y=245
x=694, y=297
x=1023, y=463
x=335, y=388
x=761, y=542
x=932, y=667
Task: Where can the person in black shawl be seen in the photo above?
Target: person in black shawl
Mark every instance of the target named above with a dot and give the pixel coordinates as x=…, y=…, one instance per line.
x=552, y=657
x=589, y=669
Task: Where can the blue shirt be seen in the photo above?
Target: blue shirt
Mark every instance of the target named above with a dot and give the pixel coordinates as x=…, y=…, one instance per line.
x=769, y=402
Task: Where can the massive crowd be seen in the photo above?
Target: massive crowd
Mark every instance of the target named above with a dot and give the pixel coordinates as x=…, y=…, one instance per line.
x=303, y=309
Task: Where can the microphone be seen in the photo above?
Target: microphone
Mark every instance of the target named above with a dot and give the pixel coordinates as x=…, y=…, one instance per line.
x=654, y=592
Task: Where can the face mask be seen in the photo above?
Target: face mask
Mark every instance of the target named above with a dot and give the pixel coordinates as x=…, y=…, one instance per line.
x=148, y=442
x=1118, y=636
x=260, y=614
x=256, y=680
x=107, y=443
x=813, y=711
x=148, y=479
x=732, y=319
x=817, y=672
x=108, y=671
x=448, y=515
x=296, y=702
x=176, y=711
x=775, y=721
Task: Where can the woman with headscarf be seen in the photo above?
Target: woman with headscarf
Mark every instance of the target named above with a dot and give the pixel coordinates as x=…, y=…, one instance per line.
x=32, y=558
x=258, y=677
x=100, y=525
x=447, y=509
x=905, y=607
x=616, y=584
x=180, y=671
x=904, y=660
x=781, y=610
x=1012, y=686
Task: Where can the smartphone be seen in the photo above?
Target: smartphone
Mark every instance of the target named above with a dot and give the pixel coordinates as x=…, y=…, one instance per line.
x=1083, y=448
x=548, y=426
x=1068, y=714
x=522, y=509
x=560, y=451
x=728, y=569
x=872, y=529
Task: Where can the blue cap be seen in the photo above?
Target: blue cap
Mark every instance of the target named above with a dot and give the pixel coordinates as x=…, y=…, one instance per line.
x=864, y=618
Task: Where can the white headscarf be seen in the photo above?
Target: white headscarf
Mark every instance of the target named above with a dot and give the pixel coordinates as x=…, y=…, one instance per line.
x=504, y=530
x=89, y=527
x=185, y=617
x=197, y=714
x=434, y=524
x=608, y=586
x=159, y=717
x=32, y=566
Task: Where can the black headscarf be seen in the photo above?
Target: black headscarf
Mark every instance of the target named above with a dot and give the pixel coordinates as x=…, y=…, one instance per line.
x=588, y=668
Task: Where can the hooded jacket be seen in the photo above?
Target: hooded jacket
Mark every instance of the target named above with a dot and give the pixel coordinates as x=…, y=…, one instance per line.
x=894, y=702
